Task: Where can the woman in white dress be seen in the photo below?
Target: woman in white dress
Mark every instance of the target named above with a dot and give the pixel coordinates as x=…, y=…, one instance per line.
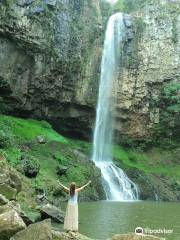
x=71, y=217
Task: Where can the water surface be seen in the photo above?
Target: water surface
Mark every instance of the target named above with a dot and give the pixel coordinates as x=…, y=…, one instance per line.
x=103, y=219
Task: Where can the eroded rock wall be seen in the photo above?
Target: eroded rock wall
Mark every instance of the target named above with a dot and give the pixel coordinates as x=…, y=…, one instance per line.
x=49, y=61
x=150, y=62
x=50, y=54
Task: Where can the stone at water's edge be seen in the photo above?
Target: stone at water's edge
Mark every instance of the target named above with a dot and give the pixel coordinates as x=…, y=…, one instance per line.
x=134, y=237
x=67, y=236
x=37, y=231
x=10, y=223
x=50, y=211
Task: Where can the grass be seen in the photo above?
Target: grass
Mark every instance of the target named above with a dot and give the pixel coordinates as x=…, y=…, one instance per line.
x=19, y=137
x=59, y=150
x=29, y=129
x=156, y=161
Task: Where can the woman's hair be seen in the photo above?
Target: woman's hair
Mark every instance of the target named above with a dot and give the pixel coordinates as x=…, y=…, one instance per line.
x=72, y=188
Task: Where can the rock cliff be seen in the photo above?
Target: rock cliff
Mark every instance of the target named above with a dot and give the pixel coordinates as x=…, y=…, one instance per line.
x=50, y=53
x=49, y=61
x=150, y=72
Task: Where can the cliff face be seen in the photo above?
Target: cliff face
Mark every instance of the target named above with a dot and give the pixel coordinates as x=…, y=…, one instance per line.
x=49, y=61
x=149, y=77
x=50, y=53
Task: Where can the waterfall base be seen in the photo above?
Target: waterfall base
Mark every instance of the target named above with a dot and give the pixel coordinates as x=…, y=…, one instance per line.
x=117, y=185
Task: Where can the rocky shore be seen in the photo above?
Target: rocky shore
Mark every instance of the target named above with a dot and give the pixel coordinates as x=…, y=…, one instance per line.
x=15, y=224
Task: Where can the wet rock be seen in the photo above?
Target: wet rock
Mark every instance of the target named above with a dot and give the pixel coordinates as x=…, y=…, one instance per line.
x=128, y=20
x=153, y=187
x=37, y=231
x=50, y=211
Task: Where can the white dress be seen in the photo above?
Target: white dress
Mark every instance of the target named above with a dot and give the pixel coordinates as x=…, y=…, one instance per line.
x=71, y=217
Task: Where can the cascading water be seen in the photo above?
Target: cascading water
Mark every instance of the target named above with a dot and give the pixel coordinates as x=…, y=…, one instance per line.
x=117, y=185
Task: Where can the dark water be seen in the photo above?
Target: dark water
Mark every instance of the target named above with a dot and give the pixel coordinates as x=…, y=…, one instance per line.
x=101, y=220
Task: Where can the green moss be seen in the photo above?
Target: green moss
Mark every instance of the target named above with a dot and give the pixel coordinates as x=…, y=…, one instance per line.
x=153, y=161
x=77, y=174
x=130, y=5
x=13, y=156
x=29, y=129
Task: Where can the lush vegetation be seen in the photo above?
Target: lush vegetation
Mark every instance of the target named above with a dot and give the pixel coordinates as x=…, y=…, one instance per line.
x=157, y=161
x=130, y=5
x=168, y=128
x=20, y=146
x=18, y=134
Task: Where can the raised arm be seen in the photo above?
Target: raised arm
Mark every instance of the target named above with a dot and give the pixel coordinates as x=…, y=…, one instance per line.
x=64, y=187
x=81, y=188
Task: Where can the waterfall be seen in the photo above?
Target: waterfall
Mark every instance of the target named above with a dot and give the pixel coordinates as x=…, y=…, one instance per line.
x=116, y=184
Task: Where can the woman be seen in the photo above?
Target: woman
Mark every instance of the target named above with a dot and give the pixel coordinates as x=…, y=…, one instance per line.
x=71, y=217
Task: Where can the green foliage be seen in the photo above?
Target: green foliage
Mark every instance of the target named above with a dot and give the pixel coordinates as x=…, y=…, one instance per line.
x=130, y=5
x=119, y=6
x=6, y=139
x=13, y=156
x=8, y=2
x=172, y=94
x=61, y=158
x=148, y=162
x=168, y=128
x=30, y=162
x=29, y=129
x=6, y=135
x=77, y=174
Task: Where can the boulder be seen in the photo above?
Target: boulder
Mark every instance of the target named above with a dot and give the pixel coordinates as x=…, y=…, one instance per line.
x=56, y=235
x=50, y=211
x=8, y=191
x=61, y=170
x=36, y=231
x=51, y=3
x=134, y=237
x=41, y=139
x=10, y=224
x=9, y=205
x=31, y=166
x=10, y=182
x=3, y=200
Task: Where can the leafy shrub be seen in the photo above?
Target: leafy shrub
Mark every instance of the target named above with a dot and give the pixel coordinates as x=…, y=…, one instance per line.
x=169, y=126
x=77, y=174
x=6, y=137
x=31, y=166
